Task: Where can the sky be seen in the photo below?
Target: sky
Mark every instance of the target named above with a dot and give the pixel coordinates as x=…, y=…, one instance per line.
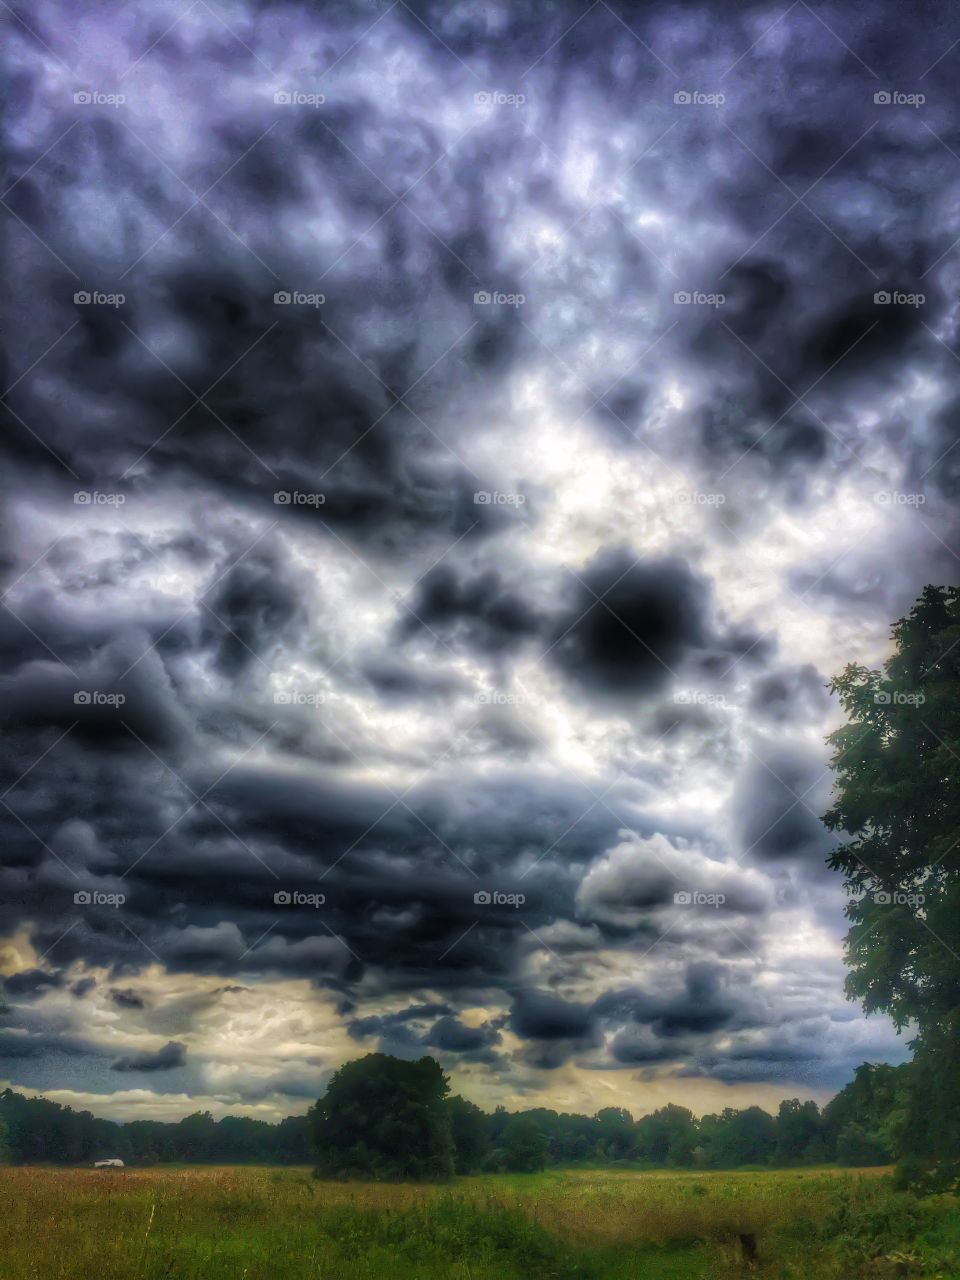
x=448, y=450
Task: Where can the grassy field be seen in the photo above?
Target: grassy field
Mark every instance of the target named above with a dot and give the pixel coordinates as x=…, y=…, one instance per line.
x=282, y=1224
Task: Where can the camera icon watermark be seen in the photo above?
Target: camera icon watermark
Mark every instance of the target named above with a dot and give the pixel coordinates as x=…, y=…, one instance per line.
x=899, y=698
x=95, y=298
x=696, y=898
x=298, y=698
x=897, y=898
x=95, y=898
x=97, y=698
x=697, y=498
x=94, y=498
x=494, y=898
x=296, y=298
x=695, y=98
x=894, y=98
x=486, y=498
x=699, y=698
x=897, y=298
x=696, y=298
x=295, y=498
x=495, y=298
x=497, y=98
x=94, y=98
x=297, y=898
x=296, y=98
x=894, y=498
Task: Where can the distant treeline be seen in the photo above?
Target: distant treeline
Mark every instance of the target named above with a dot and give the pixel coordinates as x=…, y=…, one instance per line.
x=857, y=1127
x=36, y=1131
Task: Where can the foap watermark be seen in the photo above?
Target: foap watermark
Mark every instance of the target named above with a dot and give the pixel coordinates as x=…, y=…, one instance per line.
x=94, y=298
x=497, y=98
x=696, y=98
x=493, y=298
x=696, y=298
x=899, y=698
x=897, y=898
x=699, y=698
x=499, y=698
x=297, y=898
x=96, y=898
x=894, y=98
x=897, y=298
x=298, y=98
x=894, y=498
x=96, y=98
x=296, y=298
x=697, y=498
x=299, y=698
x=697, y=898
x=296, y=498
x=484, y=498
x=98, y=698
x=94, y=498
x=494, y=898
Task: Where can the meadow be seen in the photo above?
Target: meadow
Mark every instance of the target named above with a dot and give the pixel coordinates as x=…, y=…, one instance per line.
x=249, y=1223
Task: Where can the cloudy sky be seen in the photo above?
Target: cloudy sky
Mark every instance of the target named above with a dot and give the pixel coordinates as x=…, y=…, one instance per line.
x=448, y=449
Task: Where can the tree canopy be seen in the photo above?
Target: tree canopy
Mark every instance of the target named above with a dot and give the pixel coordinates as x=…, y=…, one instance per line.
x=385, y=1117
x=898, y=807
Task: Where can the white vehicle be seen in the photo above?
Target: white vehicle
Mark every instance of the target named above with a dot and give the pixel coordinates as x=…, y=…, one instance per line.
x=108, y=1164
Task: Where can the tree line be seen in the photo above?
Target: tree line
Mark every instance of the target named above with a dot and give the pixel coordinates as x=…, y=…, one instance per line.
x=38, y=1131
x=387, y=1118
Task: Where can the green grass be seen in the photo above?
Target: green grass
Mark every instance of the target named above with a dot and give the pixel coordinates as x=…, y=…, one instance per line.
x=256, y=1223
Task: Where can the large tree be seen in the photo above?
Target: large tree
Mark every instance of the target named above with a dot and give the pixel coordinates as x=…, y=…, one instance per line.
x=385, y=1118
x=897, y=764
x=469, y=1127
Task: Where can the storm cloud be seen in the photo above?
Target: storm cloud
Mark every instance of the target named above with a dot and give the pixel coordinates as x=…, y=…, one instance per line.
x=447, y=452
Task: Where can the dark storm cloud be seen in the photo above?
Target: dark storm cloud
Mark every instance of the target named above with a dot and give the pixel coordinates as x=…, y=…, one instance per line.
x=630, y=623
x=127, y=998
x=491, y=615
x=173, y=1054
x=797, y=693
x=301, y=483
x=537, y=1015
x=781, y=792
x=31, y=982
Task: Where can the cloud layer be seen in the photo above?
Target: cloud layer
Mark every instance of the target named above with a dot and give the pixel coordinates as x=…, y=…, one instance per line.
x=447, y=451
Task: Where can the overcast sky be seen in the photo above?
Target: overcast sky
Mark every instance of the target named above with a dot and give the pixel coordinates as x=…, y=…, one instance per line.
x=449, y=448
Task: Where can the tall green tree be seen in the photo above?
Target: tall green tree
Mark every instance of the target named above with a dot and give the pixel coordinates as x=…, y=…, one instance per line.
x=469, y=1127
x=897, y=766
x=524, y=1144
x=386, y=1118
x=737, y=1137
x=616, y=1135
x=667, y=1136
x=863, y=1123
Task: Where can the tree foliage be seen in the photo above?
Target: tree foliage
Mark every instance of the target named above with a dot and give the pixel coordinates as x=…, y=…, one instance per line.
x=898, y=806
x=386, y=1118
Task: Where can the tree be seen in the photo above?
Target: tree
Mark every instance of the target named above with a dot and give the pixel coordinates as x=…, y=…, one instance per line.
x=385, y=1118
x=863, y=1123
x=799, y=1133
x=898, y=804
x=524, y=1144
x=616, y=1136
x=197, y=1136
x=469, y=1128
x=735, y=1138
x=668, y=1136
